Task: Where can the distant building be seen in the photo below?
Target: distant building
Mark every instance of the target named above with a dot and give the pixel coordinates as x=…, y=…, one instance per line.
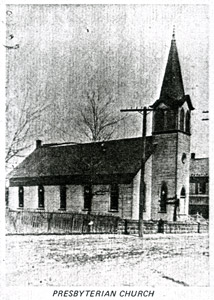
x=199, y=186
x=104, y=177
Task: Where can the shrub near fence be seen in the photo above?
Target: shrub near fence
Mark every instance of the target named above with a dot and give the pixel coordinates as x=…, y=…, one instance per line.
x=37, y=222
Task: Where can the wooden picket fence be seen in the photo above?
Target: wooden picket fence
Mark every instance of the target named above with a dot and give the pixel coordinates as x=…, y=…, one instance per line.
x=37, y=222
x=40, y=222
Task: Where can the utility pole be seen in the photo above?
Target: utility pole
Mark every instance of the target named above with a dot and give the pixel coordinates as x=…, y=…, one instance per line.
x=144, y=112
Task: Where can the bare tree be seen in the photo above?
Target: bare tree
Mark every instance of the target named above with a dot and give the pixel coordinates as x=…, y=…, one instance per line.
x=96, y=117
x=18, y=136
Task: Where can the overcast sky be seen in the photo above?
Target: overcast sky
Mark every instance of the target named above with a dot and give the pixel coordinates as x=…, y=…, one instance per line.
x=65, y=50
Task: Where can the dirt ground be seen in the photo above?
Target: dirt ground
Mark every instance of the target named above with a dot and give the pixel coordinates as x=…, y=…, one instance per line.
x=107, y=260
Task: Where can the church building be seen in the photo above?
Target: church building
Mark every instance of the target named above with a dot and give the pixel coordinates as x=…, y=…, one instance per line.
x=105, y=177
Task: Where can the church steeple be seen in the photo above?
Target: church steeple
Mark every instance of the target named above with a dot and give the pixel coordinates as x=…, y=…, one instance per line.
x=172, y=86
x=173, y=106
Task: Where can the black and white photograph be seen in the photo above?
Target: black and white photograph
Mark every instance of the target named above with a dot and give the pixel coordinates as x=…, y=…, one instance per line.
x=106, y=187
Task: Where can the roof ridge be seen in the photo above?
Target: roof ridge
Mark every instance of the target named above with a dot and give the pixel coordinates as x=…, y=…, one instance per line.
x=88, y=143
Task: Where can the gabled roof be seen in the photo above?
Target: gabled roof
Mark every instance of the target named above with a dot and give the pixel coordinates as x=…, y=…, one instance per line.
x=106, y=161
x=174, y=104
x=199, y=167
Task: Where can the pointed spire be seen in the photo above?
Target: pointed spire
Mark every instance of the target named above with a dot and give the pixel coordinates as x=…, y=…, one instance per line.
x=172, y=86
x=173, y=33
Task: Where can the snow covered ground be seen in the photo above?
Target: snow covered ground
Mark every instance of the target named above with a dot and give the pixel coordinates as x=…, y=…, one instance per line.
x=107, y=260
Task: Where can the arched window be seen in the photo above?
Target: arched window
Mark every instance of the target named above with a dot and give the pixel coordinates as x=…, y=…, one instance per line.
x=188, y=122
x=163, y=197
x=41, y=196
x=183, y=192
x=159, y=120
x=182, y=119
x=21, y=196
x=170, y=119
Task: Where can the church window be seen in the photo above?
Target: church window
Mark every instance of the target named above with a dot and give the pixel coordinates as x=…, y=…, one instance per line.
x=114, y=197
x=87, y=197
x=188, y=122
x=159, y=120
x=41, y=196
x=170, y=120
x=21, y=196
x=163, y=200
x=183, y=192
x=182, y=120
x=62, y=197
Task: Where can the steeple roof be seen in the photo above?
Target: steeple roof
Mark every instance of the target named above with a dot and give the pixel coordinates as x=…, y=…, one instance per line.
x=172, y=86
x=172, y=90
